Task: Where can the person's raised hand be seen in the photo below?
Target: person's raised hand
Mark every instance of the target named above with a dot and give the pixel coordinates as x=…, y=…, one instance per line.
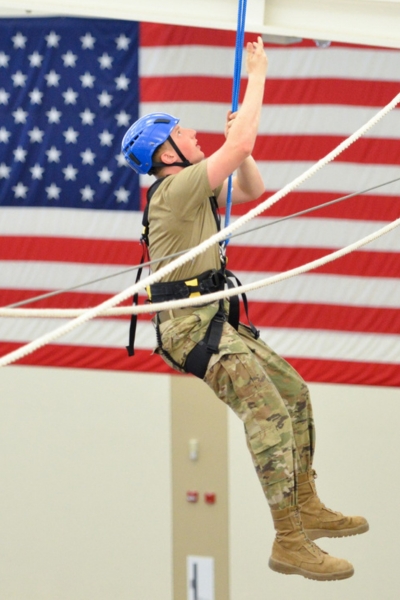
x=256, y=58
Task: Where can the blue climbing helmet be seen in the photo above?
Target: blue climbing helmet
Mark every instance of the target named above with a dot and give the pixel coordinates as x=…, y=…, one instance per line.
x=144, y=137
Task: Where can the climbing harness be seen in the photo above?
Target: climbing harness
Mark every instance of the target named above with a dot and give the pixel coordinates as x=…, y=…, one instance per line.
x=205, y=283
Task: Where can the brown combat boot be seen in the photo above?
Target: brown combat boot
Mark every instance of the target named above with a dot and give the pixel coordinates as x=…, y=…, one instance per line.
x=320, y=521
x=293, y=553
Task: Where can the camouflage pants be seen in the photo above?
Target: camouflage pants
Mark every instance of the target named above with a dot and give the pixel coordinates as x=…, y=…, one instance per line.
x=264, y=391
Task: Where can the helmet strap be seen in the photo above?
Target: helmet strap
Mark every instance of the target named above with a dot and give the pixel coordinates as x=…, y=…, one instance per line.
x=184, y=163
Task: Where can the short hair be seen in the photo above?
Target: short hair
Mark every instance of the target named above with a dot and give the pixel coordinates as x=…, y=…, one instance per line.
x=156, y=158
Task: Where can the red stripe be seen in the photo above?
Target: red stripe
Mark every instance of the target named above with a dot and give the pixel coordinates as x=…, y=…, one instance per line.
x=346, y=372
x=241, y=258
x=157, y=34
x=200, y=88
x=69, y=300
x=71, y=250
x=359, y=208
x=324, y=317
x=374, y=151
x=279, y=259
x=322, y=371
x=294, y=315
x=88, y=357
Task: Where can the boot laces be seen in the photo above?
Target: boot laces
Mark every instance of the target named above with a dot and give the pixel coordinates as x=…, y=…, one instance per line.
x=307, y=542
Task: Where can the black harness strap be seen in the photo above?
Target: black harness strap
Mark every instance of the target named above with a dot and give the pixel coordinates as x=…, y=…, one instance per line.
x=205, y=283
x=135, y=301
x=197, y=360
x=144, y=241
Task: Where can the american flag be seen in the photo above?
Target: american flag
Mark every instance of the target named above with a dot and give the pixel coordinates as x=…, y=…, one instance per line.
x=69, y=207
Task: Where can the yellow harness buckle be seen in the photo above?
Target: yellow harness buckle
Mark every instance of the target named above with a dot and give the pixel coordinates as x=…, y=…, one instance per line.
x=193, y=283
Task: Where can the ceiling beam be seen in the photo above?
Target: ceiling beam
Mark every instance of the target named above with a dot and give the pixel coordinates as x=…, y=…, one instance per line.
x=370, y=22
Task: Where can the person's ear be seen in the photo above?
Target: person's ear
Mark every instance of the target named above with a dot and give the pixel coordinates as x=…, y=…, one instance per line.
x=168, y=156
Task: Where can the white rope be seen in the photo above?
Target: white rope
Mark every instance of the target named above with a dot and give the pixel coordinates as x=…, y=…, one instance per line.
x=173, y=304
x=221, y=235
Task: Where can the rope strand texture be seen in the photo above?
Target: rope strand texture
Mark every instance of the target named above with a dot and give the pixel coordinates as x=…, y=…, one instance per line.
x=154, y=277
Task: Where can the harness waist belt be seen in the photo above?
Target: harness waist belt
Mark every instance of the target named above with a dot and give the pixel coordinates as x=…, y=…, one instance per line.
x=205, y=283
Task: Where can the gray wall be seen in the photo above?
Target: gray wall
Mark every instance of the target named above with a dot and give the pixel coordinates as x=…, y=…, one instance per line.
x=86, y=494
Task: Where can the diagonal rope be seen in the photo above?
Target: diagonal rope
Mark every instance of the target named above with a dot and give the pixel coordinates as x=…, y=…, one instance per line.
x=219, y=236
x=173, y=304
x=176, y=254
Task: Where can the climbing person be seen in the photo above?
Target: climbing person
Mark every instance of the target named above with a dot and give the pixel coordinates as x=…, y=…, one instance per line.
x=264, y=391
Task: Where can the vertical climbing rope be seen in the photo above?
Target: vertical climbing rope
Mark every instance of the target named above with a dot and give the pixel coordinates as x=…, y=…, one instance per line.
x=242, y=6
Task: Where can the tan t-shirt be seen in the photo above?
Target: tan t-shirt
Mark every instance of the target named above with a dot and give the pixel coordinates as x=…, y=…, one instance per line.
x=180, y=218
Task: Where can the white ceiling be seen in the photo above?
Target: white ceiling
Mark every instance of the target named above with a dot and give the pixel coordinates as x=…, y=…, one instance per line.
x=371, y=22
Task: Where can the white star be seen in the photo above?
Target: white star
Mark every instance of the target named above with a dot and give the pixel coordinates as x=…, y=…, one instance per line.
x=37, y=172
x=36, y=135
x=36, y=96
x=20, y=190
x=70, y=173
x=105, y=138
x=105, y=98
x=53, y=115
x=53, y=192
x=4, y=171
x=18, y=79
x=120, y=158
x=19, y=40
x=70, y=135
x=20, y=115
x=52, y=79
x=53, y=155
x=123, y=119
x=122, y=82
x=87, y=41
x=69, y=59
x=4, y=134
x=19, y=154
x=87, y=194
x=88, y=157
x=122, y=42
x=35, y=59
x=4, y=59
x=105, y=175
x=4, y=96
x=87, y=80
x=105, y=61
x=122, y=195
x=70, y=96
x=87, y=117
x=52, y=39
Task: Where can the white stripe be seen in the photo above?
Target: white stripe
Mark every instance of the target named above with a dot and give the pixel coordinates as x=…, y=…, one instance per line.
x=74, y=223
x=332, y=345
x=316, y=233
x=314, y=288
x=307, y=119
x=33, y=275
x=285, y=63
x=337, y=177
x=327, y=289
x=328, y=345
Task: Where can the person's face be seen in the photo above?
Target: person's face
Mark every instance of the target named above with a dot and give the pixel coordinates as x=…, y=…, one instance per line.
x=187, y=143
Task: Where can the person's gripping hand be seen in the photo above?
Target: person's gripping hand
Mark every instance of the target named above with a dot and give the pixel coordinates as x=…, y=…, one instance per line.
x=229, y=121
